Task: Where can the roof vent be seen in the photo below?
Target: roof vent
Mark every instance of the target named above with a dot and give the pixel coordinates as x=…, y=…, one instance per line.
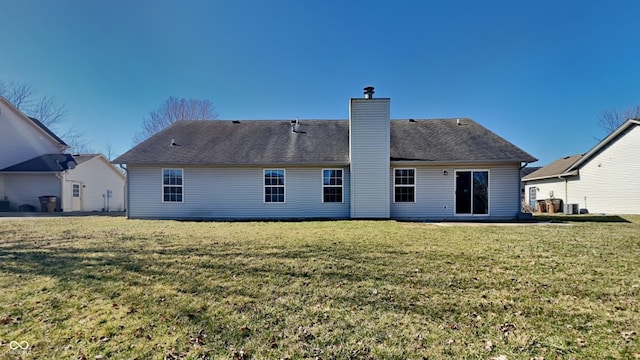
x=368, y=92
x=295, y=124
x=412, y=120
x=174, y=143
x=236, y=121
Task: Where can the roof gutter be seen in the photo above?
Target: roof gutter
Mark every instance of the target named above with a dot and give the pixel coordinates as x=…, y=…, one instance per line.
x=452, y=162
x=31, y=172
x=257, y=165
x=557, y=176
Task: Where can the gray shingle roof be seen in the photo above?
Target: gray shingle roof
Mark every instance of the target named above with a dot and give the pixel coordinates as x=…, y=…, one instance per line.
x=556, y=168
x=528, y=170
x=451, y=140
x=43, y=163
x=271, y=142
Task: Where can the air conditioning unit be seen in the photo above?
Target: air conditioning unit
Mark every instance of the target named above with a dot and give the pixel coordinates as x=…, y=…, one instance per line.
x=570, y=209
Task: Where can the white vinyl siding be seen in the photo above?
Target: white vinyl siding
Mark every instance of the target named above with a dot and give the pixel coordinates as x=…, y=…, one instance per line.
x=608, y=183
x=98, y=177
x=504, y=191
x=435, y=193
x=21, y=140
x=369, y=141
x=547, y=189
x=26, y=188
x=234, y=193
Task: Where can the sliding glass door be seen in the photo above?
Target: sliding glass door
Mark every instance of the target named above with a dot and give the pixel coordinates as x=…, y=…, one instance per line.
x=472, y=192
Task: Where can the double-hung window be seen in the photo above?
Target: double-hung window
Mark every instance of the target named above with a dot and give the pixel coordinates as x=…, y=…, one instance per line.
x=332, y=185
x=404, y=185
x=172, y=185
x=274, y=183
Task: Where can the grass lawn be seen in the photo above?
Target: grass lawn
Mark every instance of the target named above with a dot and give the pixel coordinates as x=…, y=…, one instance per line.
x=110, y=288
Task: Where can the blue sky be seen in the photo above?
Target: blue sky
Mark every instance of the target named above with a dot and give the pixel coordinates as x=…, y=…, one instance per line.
x=539, y=73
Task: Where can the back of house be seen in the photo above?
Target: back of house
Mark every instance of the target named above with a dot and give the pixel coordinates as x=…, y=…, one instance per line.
x=367, y=166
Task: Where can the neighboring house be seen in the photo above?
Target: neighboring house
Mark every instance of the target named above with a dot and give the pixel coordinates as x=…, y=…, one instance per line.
x=94, y=185
x=364, y=167
x=524, y=172
x=604, y=180
x=33, y=164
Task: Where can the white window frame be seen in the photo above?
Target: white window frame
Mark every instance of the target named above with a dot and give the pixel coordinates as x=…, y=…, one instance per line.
x=164, y=185
x=332, y=186
x=415, y=190
x=73, y=190
x=283, y=186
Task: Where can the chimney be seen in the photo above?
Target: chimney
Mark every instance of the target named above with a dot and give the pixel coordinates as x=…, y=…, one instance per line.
x=368, y=92
x=369, y=156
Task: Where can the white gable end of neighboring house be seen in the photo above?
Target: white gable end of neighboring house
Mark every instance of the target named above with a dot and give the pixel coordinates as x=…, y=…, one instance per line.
x=33, y=165
x=21, y=139
x=604, y=180
x=609, y=182
x=93, y=185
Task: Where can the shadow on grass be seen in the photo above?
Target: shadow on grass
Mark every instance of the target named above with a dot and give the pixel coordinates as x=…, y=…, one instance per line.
x=582, y=218
x=210, y=271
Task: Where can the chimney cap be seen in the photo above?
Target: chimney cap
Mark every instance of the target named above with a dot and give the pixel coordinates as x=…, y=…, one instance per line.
x=368, y=92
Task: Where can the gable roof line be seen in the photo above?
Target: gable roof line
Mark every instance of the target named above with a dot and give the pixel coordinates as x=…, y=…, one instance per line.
x=36, y=123
x=604, y=142
x=82, y=159
x=558, y=168
x=572, y=168
x=562, y=175
x=47, y=130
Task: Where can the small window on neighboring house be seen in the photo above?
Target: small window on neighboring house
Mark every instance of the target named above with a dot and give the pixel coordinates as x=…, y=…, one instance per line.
x=404, y=184
x=172, y=185
x=274, y=185
x=332, y=185
x=76, y=190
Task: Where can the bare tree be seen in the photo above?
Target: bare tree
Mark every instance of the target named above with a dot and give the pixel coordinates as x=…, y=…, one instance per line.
x=26, y=99
x=611, y=119
x=173, y=110
x=77, y=142
x=109, y=152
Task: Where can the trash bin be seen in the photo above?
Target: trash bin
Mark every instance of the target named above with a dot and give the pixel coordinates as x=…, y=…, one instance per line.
x=542, y=206
x=550, y=208
x=48, y=203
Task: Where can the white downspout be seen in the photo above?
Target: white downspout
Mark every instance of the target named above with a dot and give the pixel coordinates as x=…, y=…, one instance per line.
x=566, y=191
x=63, y=178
